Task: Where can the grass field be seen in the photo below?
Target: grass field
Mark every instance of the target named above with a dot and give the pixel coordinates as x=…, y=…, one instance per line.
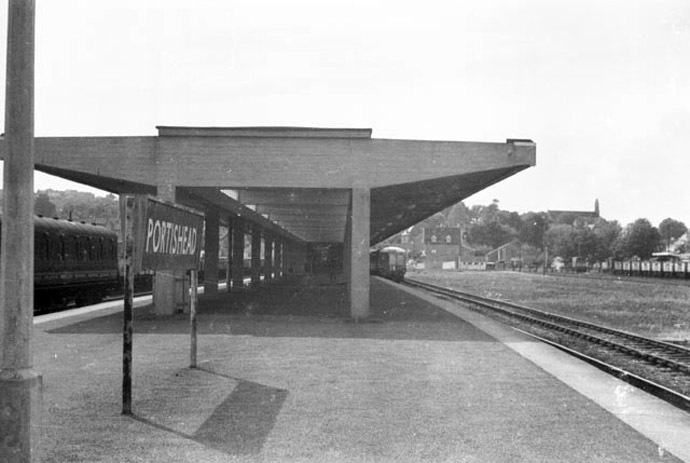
x=649, y=308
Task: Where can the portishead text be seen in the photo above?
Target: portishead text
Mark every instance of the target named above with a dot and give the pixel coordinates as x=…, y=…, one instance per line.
x=170, y=238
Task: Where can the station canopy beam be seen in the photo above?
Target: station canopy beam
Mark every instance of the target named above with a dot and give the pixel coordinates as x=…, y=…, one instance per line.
x=293, y=182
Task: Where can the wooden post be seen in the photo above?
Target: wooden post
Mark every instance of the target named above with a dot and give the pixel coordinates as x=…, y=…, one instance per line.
x=127, y=329
x=194, y=283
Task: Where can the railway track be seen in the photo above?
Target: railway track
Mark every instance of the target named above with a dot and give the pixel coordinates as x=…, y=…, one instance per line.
x=671, y=359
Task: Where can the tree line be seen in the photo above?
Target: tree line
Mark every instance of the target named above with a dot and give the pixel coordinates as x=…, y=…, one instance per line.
x=79, y=206
x=484, y=228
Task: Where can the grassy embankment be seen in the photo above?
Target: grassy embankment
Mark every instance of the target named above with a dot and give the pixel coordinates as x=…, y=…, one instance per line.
x=649, y=308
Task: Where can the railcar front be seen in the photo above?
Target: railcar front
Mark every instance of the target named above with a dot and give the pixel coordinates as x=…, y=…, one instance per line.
x=389, y=262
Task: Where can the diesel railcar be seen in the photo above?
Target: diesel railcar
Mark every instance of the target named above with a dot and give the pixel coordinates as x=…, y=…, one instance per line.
x=73, y=262
x=389, y=262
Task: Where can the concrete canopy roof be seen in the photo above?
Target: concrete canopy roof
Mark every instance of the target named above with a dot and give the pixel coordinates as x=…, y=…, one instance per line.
x=292, y=181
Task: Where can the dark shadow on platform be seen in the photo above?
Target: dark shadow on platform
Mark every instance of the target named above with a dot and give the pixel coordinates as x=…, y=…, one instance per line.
x=241, y=423
x=301, y=310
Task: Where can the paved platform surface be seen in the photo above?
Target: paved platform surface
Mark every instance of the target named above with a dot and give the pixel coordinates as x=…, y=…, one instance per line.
x=285, y=376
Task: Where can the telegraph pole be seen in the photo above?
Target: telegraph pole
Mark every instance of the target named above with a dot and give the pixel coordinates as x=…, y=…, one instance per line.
x=20, y=385
x=543, y=237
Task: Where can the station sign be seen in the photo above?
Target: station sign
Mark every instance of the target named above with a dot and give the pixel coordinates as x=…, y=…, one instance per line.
x=166, y=235
x=158, y=235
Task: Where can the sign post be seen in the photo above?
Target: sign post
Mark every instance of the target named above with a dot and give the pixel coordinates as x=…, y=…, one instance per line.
x=194, y=283
x=158, y=236
x=127, y=331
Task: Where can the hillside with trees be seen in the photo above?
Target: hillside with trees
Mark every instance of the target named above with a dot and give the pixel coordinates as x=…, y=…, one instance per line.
x=78, y=206
x=593, y=239
x=483, y=228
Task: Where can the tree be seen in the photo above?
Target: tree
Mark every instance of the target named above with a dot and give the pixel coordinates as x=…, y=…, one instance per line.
x=561, y=241
x=671, y=230
x=606, y=234
x=43, y=206
x=492, y=227
x=567, y=218
x=532, y=256
x=532, y=231
x=492, y=234
x=512, y=220
x=458, y=215
x=640, y=239
x=585, y=244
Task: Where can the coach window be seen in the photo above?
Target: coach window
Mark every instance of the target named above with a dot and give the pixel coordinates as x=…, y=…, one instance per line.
x=63, y=248
x=74, y=249
x=46, y=246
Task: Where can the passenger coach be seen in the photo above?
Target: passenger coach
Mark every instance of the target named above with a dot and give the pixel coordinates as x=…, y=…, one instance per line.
x=73, y=262
x=389, y=262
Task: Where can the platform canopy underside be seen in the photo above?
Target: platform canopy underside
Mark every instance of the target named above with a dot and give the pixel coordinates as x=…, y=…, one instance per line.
x=319, y=215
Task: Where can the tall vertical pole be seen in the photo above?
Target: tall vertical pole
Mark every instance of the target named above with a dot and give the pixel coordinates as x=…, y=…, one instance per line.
x=20, y=385
x=127, y=328
x=546, y=251
x=194, y=283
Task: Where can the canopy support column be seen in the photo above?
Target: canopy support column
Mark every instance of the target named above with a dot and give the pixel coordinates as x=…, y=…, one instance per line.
x=211, y=245
x=228, y=263
x=268, y=256
x=237, y=254
x=256, y=257
x=356, y=252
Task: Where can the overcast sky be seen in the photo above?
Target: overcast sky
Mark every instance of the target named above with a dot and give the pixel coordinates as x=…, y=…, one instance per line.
x=602, y=87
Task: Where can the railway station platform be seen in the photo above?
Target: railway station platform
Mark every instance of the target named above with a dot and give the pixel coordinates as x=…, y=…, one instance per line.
x=285, y=375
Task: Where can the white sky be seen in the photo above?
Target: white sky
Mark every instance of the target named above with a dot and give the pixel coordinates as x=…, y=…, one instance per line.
x=602, y=87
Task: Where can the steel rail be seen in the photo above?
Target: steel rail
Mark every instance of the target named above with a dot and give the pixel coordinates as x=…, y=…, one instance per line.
x=669, y=395
x=653, y=351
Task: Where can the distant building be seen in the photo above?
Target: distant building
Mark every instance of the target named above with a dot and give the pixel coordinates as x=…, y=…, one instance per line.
x=434, y=247
x=442, y=247
x=508, y=255
x=570, y=217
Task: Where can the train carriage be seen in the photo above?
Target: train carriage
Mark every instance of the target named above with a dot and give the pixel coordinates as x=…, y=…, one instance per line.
x=636, y=266
x=667, y=268
x=679, y=269
x=73, y=262
x=389, y=262
x=646, y=268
